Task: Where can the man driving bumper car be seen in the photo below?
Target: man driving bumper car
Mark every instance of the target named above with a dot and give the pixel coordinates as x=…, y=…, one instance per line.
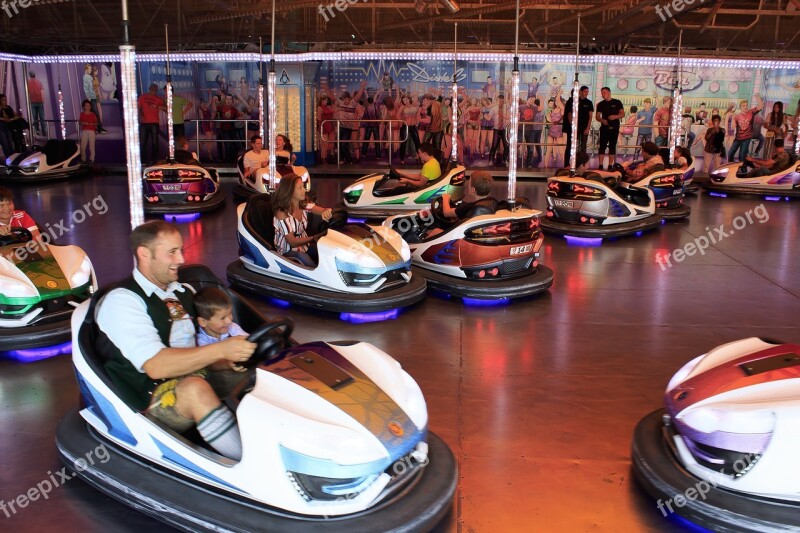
x=148, y=322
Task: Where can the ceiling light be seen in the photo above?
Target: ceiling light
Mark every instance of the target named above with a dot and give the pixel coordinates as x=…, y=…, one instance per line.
x=419, y=6
x=451, y=5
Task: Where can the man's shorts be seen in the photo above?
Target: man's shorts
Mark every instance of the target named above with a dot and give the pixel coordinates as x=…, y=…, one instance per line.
x=162, y=405
x=608, y=138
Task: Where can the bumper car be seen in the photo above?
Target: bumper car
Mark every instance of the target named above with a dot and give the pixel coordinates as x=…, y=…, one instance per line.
x=493, y=253
x=40, y=285
x=724, y=451
x=381, y=195
x=668, y=186
x=171, y=187
x=56, y=160
x=361, y=268
x=732, y=179
x=689, y=186
x=334, y=438
x=598, y=206
x=252, y=184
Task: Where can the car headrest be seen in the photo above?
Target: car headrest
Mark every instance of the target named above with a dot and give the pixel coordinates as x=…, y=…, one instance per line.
x=610, y=181
x=257, y=218
x=185, y=157
x=57, y=151
x=240, y=163
x=484, y=206
x=449, y=167
x=519, y=201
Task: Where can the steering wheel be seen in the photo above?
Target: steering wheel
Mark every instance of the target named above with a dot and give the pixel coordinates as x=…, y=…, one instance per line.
x=338, y=219
x=16, y=236
x=393, y=173
x=437, y=208
x=271, y=339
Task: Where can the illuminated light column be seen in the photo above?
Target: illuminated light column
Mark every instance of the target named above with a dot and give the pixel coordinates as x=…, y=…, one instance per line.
x=130, y=120
x=62, y=120
x=130, y=115
x=576, y=86
x=261, y=109
x=677, y=109
x=514, y=111
x=454, y=101
x=797, y=134
x=260, y=88
x=170, y=132
x=272, y=105
x=677, y=103
x=272, y=125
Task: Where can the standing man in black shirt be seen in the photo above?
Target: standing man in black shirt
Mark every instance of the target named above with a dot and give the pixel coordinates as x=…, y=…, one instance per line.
x=609, y=111
x=585, y=108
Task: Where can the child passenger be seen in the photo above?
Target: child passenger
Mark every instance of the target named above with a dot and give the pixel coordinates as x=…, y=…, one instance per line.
x=215, y=316
x=215, y=320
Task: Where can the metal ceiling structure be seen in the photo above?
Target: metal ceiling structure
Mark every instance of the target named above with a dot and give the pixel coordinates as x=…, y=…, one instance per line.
x=731, y=28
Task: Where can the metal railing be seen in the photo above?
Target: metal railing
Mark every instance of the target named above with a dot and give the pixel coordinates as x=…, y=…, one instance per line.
x=592, y=143
x=246, y=140
x=339, y=140
x=56, y=127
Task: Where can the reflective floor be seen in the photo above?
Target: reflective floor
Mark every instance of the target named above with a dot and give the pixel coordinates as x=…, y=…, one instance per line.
x=537, y=399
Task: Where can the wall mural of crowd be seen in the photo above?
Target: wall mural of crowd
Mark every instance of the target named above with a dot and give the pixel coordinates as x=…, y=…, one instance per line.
x=349, y=110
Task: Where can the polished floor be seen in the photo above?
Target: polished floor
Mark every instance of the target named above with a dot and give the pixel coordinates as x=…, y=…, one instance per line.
x=538, y=399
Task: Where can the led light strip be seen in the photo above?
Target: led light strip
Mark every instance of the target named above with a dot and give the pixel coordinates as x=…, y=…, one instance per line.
x=513, y=109
x=61, y=118
x=453, y=100
x=272, y=127
x=660, y=61
x=131, y=122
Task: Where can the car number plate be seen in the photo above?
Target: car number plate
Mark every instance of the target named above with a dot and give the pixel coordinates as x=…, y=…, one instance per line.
x=171, y=187
x=517, y=250
x=564, y=203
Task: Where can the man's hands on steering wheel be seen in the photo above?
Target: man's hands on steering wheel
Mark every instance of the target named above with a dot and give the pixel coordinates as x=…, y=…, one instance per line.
x=270, y=339
x=437, y=208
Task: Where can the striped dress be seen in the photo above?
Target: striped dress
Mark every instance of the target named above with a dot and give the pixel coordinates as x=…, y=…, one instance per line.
x=290, y=225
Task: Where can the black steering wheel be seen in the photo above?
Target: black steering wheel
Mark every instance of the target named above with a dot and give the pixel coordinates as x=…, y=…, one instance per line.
x=271, y=339
x=16, y=236
x=393, y=173
x=338, y=219
x=437, y=208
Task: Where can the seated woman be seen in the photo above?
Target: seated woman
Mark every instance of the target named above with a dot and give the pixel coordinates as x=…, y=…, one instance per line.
x=290, y=207
x=683, y=158
x=431, y=170
x=283, y=150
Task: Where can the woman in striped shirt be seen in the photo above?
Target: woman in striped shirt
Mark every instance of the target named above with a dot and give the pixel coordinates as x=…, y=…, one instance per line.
x=290, y=206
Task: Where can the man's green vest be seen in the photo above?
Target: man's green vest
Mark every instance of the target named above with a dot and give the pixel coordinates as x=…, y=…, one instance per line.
x=136, y=387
